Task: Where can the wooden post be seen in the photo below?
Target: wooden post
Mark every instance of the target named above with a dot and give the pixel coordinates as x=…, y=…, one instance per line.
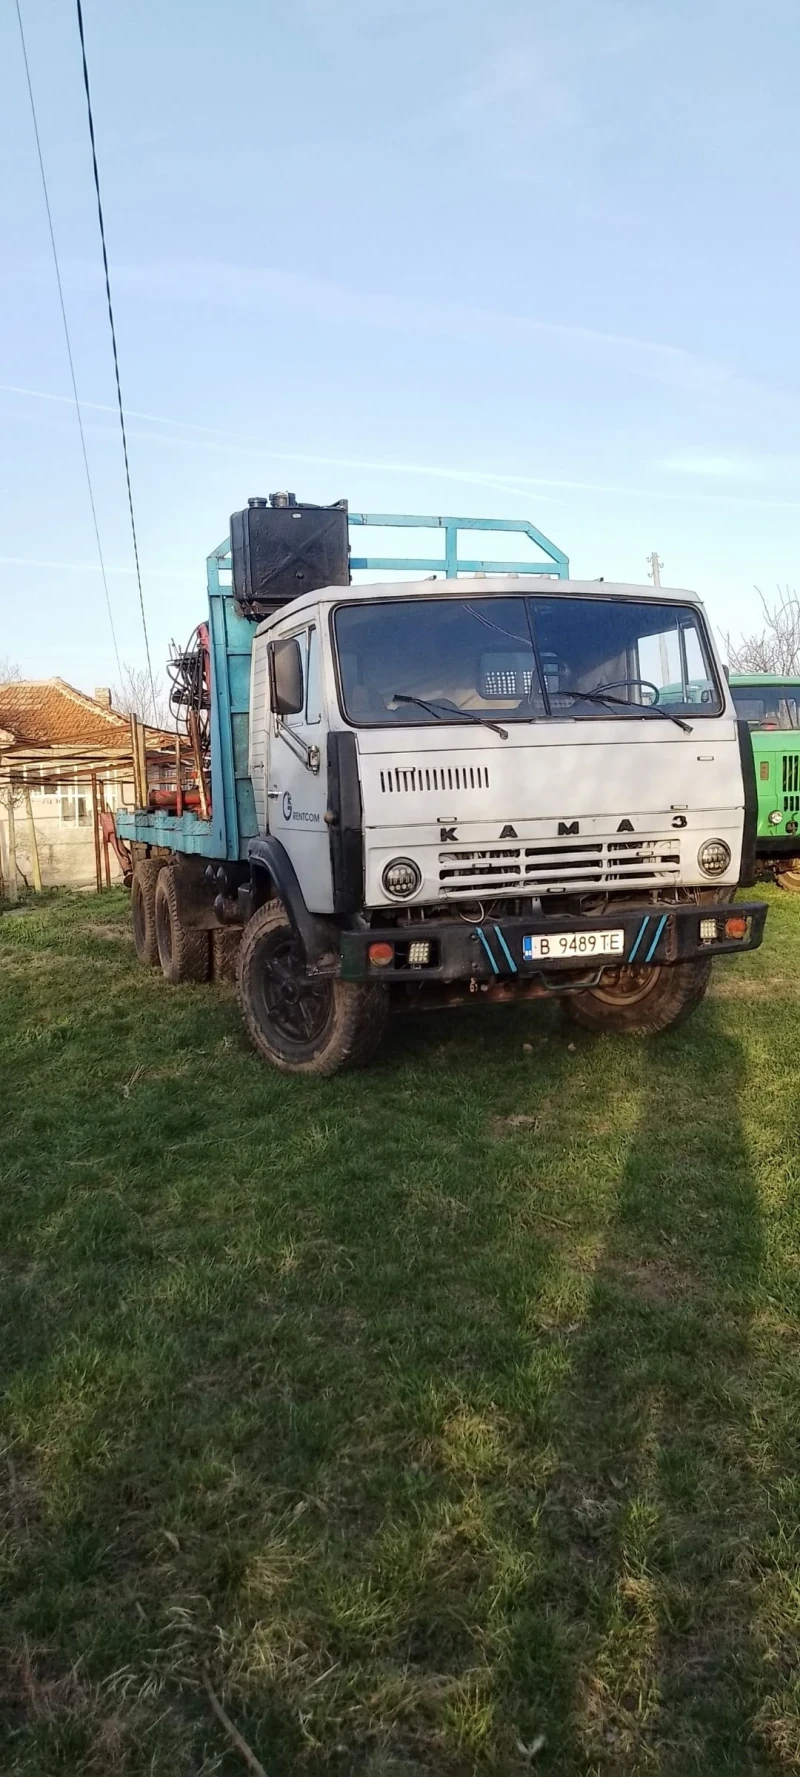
x=194, y=736
x=134, y=761
x=143, y=763
x=101, y=799
x=37, y=869
x=139, y=763
x=96, y=833
x=12, y=847
x=178, y=777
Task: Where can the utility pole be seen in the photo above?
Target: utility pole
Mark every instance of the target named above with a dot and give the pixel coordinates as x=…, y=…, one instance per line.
x=655, y=576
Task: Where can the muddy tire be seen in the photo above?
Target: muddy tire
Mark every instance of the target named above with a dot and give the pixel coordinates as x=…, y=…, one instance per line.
x=224, y=953
x=301, y=1024
x=183, y=952
x=143, y=909
x=640, y=1002
x=790, y=879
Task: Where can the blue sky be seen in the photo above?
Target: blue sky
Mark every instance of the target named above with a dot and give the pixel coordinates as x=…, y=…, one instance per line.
x=523, y=259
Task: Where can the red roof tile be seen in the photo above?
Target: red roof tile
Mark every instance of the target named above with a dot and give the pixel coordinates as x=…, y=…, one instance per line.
x=49, y=712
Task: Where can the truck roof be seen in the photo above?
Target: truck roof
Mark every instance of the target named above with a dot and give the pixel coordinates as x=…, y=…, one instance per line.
x=483, y=586
x=757, y=679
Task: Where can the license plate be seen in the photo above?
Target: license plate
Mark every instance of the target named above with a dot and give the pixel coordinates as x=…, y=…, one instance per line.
x=569, y=944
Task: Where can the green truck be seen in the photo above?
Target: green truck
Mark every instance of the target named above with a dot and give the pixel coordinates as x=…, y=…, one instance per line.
x=770, y=704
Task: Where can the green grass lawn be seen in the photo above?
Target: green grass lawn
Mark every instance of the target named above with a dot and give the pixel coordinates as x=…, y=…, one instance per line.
x=447, y=1414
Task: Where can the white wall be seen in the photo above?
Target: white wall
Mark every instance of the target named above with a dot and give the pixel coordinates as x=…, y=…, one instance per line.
x=62, y=817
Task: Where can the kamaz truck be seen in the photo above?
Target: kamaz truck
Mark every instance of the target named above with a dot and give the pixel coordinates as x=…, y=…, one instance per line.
x=484, y=783
x=770, y=705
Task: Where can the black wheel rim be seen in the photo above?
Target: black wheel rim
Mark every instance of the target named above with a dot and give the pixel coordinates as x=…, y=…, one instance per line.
x=626, y=987
x=291, y=1005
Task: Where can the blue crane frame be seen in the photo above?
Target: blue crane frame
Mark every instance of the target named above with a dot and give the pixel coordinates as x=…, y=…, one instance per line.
x=233, y=814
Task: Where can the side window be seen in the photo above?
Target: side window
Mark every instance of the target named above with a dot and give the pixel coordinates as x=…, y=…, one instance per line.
x=674, y=662
x=298, y=721
x=660, y=661
x=314, y=679
x=311, y=657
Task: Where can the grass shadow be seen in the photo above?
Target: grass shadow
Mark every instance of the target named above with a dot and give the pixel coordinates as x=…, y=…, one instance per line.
x=418, y=1405
x=659, y=1507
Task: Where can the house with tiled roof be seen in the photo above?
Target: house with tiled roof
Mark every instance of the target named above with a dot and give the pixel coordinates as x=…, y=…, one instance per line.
x=63, y=756
x=49, y=713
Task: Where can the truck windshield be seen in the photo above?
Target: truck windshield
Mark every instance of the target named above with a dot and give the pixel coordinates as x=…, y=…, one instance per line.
x=768, y=706
x=521, y=658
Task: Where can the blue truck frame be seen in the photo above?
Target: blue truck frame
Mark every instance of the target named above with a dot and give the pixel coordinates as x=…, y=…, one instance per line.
x=225, y=836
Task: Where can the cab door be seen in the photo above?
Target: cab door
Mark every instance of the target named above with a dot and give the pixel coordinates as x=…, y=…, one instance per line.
x=297, y=777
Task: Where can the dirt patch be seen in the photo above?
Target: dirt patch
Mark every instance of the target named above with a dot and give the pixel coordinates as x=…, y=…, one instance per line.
x=141, y=1075
x=19, y=1499
x=734, y=988
x=501, y=1126
x=36, y=962
x=95, y=929
x=653, y=1280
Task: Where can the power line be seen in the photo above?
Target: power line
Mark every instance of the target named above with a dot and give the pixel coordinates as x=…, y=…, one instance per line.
x=114, y=345
x=66, y=336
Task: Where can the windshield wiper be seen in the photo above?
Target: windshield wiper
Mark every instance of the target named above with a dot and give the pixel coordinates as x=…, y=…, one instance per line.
x=626, y=703
x=435, y=709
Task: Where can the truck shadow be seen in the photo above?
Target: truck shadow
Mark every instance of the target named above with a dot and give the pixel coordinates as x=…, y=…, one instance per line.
x=423, y=1408
x=656, y=1507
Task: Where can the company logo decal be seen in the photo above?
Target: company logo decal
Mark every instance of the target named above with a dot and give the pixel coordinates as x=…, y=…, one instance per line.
x=290, y=813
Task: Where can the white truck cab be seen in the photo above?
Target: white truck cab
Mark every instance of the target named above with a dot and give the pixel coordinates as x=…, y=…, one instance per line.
x=492, y=784
x=489, y=786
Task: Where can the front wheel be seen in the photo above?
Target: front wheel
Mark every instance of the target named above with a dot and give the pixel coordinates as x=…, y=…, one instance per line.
x=640, y=1002
x=301, y=1023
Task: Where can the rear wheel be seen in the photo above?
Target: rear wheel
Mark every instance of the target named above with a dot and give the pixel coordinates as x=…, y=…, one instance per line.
x=143, y=909
x=640, y=1002
x=301, y=1023
x=184, y=952
x=224, y=951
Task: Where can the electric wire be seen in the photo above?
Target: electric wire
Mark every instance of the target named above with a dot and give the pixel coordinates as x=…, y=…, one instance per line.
x=90, y=117
x=67, y=336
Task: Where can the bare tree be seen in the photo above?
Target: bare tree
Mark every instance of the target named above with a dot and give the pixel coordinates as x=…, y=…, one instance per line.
x=135, y=697
x=776, y=647
x=9, y=671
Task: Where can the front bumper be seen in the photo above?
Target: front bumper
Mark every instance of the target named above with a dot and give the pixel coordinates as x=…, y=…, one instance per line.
x=461, y=952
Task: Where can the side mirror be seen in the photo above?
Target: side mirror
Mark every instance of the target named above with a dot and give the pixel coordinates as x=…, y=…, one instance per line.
x=286, y=677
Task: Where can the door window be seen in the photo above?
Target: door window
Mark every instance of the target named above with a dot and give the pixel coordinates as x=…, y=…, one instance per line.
x=310, y=657
x=298, y=720
x=313, y=680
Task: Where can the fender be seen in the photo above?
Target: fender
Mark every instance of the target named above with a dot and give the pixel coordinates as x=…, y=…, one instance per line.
x=266, y=856
x=747, y=871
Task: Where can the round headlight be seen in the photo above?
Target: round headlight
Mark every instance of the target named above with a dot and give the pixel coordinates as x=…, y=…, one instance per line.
x=401, y=878
x=714, y=857
x=775, y=817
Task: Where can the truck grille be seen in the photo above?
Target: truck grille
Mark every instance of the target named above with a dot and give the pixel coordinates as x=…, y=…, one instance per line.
x=791, y=783
x=537, y=869
x=406, y=780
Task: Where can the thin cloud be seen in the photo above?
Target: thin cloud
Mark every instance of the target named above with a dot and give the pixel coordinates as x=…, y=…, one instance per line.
x=222, y=284
x=90, y=567
x=502, y=481
x=242, y=286
x=714, y=466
